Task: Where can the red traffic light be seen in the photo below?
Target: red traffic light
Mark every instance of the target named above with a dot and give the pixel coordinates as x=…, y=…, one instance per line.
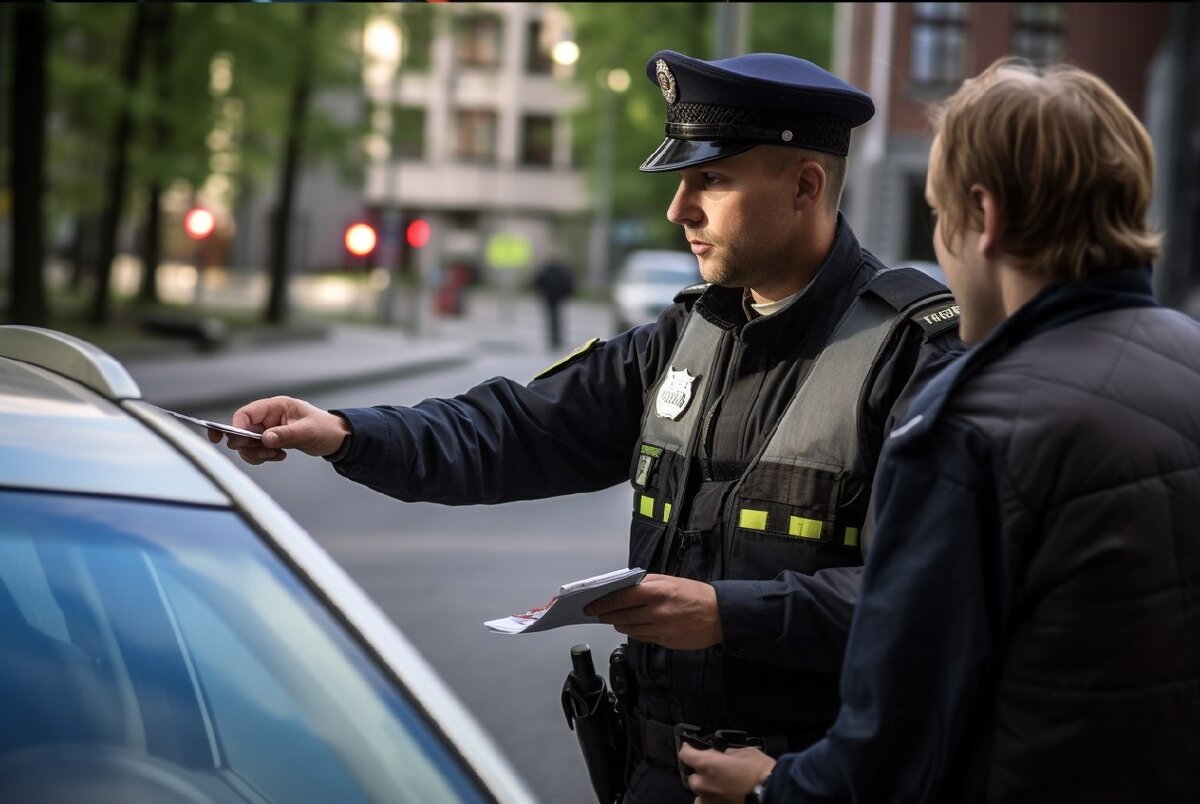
x=417, y=233
x=199, y=223
x=360, y=239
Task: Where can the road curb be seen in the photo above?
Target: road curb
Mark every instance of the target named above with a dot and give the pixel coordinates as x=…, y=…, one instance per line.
x=300, y=387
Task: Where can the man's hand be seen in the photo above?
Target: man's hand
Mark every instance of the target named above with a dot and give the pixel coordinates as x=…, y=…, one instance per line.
x=725, y=778
x=673, y=612
x=285, y=423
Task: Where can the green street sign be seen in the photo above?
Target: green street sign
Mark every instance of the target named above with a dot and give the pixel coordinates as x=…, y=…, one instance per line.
x=508, y=250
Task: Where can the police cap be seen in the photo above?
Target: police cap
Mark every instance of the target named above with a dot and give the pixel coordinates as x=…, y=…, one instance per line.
x=720, y=108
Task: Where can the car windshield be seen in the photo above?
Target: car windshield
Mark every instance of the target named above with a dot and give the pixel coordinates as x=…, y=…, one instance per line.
x=164, y=650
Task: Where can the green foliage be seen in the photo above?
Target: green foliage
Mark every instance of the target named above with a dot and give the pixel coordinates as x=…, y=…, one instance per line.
x=260, y=40
x=623, y=36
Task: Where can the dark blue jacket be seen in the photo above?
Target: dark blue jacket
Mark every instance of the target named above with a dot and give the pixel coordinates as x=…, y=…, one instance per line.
x=1029, y=622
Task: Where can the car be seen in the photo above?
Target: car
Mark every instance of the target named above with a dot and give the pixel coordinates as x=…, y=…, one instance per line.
x=169, y=634
x=647, y=283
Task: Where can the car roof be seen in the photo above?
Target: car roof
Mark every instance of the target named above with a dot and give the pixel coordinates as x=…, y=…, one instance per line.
x=61, y=433
x=664, y=257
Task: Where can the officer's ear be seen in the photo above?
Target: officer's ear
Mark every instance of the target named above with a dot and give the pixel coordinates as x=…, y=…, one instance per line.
x=810, y=183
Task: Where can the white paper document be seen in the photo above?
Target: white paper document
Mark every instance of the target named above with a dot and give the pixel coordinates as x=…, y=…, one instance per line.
x=566, y=607
x=224, y=428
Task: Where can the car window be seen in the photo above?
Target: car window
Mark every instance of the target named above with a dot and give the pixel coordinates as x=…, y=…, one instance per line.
x=158, y=644
x=663, y=274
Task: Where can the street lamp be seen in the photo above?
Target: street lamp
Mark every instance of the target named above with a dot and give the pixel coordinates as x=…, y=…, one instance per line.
x=613, y=83
x=383, y=47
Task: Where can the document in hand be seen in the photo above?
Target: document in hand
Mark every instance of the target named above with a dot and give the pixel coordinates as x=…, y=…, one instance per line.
x=566, y=608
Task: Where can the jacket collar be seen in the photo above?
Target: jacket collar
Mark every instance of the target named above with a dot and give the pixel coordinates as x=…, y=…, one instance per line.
x=1053, y=307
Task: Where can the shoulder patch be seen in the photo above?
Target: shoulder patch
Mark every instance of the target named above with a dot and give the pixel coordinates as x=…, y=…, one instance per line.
x=902, y=287
x=691, y=290
x=938, y=315
x=575, y=354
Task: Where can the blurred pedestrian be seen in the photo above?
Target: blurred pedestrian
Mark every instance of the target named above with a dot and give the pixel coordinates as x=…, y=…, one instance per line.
x=748, y=418
x=1029, y=626
x=555, y=285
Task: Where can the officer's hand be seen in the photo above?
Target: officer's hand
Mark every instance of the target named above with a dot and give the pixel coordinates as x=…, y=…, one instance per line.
x=725, y=778
x=673, y=612
x=285, y=423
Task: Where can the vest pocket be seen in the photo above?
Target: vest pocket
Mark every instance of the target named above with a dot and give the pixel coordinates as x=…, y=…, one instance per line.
x=644, y=537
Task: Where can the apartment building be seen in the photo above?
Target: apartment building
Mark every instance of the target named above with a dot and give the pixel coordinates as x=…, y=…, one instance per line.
x=471, y=132
x=907, y=55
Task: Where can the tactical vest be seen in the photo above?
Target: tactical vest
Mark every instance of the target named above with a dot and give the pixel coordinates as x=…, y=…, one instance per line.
x=799, y=505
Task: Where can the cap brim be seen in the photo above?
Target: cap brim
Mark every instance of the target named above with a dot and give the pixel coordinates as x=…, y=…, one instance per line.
x=674, y=154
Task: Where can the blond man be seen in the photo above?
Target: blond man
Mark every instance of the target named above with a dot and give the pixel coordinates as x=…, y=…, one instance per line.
x=1029, y=623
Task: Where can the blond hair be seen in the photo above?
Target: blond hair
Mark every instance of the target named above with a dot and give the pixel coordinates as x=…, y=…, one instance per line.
x=1070, y=166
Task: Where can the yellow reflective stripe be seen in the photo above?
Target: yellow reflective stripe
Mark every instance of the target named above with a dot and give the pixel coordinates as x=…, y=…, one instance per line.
x=754, y=520
x=852, y=537
x=666, y=512
x=646, y=508
x=804, y=528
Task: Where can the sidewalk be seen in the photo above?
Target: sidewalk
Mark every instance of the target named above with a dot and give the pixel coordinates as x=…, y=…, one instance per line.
x=324, y=356
x=191, y=382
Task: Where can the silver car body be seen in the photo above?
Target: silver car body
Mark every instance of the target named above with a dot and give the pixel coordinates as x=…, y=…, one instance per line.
x=72, y=421
x=647, y=283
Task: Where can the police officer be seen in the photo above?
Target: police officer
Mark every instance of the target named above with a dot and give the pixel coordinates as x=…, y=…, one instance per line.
x=748, y=417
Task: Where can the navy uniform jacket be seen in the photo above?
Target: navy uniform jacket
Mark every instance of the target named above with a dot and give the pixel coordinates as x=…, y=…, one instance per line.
x=575, y=428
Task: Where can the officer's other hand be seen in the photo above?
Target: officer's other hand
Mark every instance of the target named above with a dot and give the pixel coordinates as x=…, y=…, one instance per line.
x=676, y=613
x=725, y=778
x=285, y=423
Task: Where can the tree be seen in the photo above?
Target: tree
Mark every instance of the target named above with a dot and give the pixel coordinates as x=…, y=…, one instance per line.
x=277, y=304
x=27, y=296
x=116, y=176
x=159, y=34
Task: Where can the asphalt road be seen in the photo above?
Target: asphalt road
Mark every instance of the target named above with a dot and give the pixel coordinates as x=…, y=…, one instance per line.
x=439, y=572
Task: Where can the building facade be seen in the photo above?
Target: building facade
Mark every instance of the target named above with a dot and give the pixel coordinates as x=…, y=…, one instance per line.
x=470, y=132
x=907, y=55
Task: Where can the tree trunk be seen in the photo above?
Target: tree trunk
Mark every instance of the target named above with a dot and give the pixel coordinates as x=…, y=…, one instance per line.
x=159, y=30
x=27, y=294
x=116, y=179
x=277, y=303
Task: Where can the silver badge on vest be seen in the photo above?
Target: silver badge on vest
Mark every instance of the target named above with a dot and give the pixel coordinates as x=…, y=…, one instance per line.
x=674, y=394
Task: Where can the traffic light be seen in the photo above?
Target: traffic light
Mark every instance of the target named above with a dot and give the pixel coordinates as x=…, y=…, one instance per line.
x=199, y=223
x=360, y=239
x=416, y=234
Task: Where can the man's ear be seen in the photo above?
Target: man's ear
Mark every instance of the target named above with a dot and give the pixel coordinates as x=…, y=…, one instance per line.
x=985, y=206
x=811, y=183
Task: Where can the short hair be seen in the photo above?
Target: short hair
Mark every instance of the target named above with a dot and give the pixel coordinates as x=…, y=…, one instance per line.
x=1070, y=166
x=780, y=157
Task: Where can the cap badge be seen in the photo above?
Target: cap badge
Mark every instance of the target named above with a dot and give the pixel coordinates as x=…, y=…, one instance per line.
x=666, y=81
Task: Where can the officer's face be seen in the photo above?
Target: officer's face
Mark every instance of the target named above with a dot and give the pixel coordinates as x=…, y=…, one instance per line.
x=739, y=217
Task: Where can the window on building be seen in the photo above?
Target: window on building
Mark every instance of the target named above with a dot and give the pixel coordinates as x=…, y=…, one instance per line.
x=939, y=45
x=418, y=38
x=537, y=140
x=537, y=50
x=478, y=40
x=1038, y=32
x=475, y=136
x=409, y=140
